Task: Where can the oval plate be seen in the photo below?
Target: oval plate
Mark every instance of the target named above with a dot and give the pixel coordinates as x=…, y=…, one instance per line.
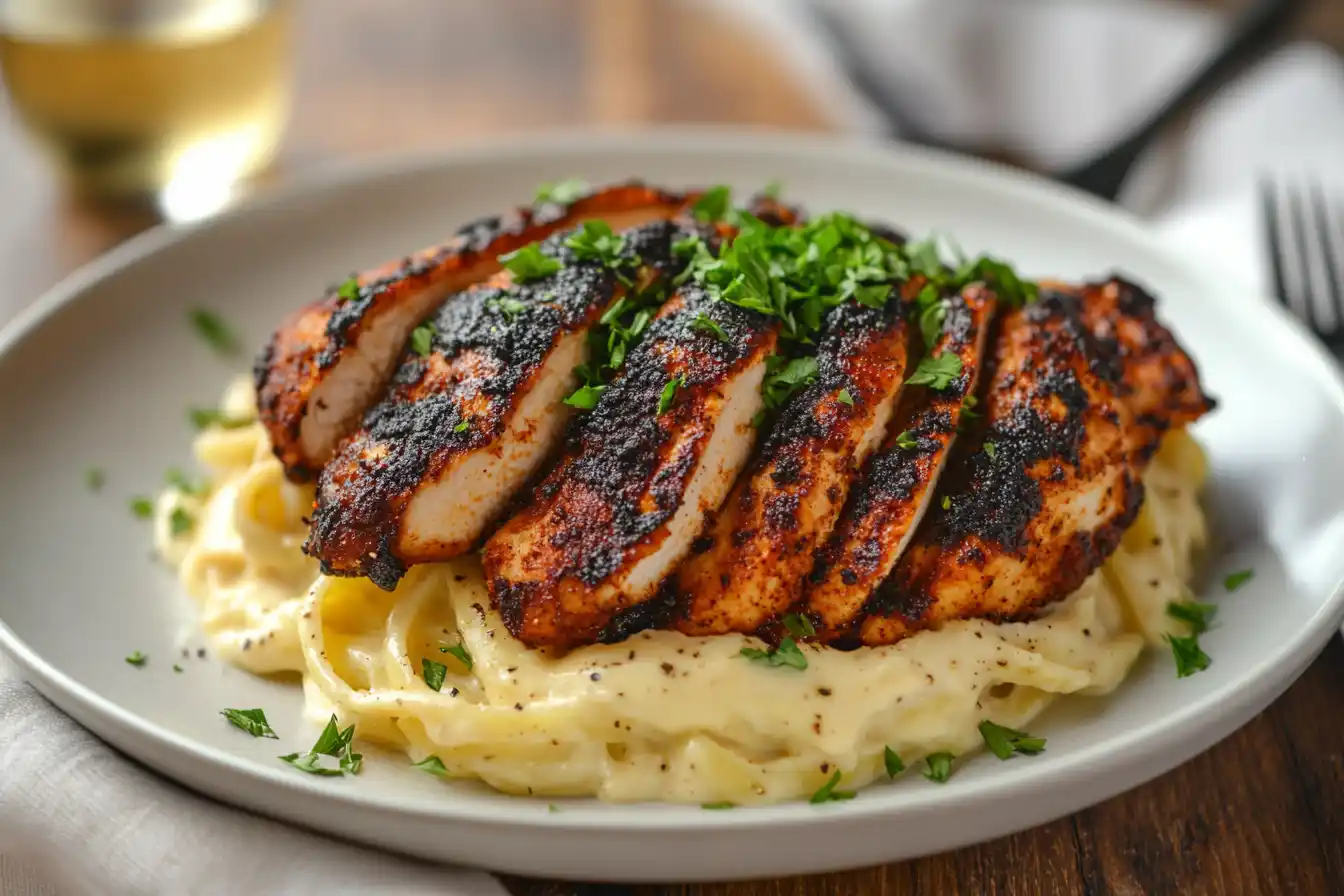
x=101, y=370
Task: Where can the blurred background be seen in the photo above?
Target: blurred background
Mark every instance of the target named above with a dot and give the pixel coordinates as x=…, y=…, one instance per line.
x=120, y=113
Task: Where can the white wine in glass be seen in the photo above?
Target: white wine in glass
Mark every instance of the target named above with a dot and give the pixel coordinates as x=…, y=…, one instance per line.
x=142, y=97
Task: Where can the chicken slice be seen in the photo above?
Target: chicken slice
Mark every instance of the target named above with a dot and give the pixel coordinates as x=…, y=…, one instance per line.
x=332, y=358
x=1156, y=379
x=467, y=424
x=1040, y=499
x=751, y=563
x=898, y=484
x=659, y=451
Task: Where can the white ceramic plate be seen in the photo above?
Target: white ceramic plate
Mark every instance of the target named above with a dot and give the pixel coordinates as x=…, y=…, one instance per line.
x=101, y=370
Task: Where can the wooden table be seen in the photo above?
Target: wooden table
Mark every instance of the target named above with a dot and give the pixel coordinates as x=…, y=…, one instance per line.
x=1263, y=812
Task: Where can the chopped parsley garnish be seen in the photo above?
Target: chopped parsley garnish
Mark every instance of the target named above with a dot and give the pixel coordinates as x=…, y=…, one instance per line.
x=893, y=762
x=180, y=522
x=1190, y=658
x=799, y=625
x=938, y=767
x=422, y=339
x=176, y=667
x=1193, y=613
x=348, y=291
x=178, y=480
x=507, y=306
x=827, y=793
x=597, y=242
x=332, y=742
x=845, y=398
x=1235, y=580
x=722, y=804
x=991, y=450
x=432, y=764
x=434, y=673
x=552, y=807
x=142, y=508
x=202, y=418
x=905, y=441
x=529, y=263
x=137, y=659
x=253, y=721
x=968, y=404
x=459, y=651
x=786, y=654
x=94, y=479
x=947, y=502
x=714, y=205
x=930, y=312
x=670, y=393
x=772, y=190
x=562, y=192
x=461, y=427
x=1004, y=742
x=585, y=397
x=936, y=372
x=784, y=377
x=210, y=327
x=703, y=323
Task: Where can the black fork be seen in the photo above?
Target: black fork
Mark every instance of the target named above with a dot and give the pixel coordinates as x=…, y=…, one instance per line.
x=1304, y=227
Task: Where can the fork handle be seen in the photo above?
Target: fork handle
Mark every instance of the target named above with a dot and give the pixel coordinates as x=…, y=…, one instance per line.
x=1254, y=33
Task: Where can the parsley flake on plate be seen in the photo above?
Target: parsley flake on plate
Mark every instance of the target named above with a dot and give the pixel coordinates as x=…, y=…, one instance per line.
x=827, y=793
x=1004, y=742
x=905, y=441
x=722, y=804
x=94, y=479
x=1235, y=580
x=253, y=721
x=142, y=508
x=1190, y=658
x=1193, y=613
x=892, y=762
x=332, y=742
x=938, y=767
x=786, y=654
x=180, y=522
x=432, y=764
x=422, y=339
x=137, y=659
x=211, y=328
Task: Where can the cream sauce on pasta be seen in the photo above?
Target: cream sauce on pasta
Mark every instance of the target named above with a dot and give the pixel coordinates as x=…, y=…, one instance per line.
x=661, y=716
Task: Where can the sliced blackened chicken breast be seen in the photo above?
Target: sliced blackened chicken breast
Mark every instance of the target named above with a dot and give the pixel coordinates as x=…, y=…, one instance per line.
x=1042, y=496
x=466, y=424
x=898, y=484
x=751, y=563
x=1155, y=377
x=329, y=360
x=658, y=452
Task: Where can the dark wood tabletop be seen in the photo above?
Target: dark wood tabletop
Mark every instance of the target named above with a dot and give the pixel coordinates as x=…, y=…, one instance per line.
x=1262, y=812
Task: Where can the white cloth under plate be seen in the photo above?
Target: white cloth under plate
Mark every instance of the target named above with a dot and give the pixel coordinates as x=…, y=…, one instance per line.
x=1052, y=79
x=76, y=817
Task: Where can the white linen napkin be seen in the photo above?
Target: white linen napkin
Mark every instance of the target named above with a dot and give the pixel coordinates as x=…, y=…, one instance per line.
x=76, y=817
x=1052, y=79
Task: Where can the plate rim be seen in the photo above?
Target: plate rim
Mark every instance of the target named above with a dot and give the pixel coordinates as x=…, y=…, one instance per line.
x=1162, y=734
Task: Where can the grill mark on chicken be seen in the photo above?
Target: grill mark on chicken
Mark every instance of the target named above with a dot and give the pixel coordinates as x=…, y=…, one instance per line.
x=898, y=483
x=328, y=361
x=763, y=539
x=566, y=565
x=1029, y=522
x=484, y=360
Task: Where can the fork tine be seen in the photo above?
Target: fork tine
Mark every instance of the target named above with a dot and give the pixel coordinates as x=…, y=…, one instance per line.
x=1305, y=248
x=1273, y=228
x=1334, y=270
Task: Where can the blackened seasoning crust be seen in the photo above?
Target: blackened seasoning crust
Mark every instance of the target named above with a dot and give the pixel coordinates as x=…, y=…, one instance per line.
x=487, y=349
x=899, y=481
x=1029, y=518
x=765, y=534
x=310, y=348
x=558, y=571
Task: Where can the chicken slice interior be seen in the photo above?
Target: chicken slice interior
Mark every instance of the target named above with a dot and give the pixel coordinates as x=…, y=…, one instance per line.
x=641, y=470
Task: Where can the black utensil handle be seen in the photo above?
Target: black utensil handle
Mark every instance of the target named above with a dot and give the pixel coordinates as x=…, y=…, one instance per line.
x=1254, y=33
